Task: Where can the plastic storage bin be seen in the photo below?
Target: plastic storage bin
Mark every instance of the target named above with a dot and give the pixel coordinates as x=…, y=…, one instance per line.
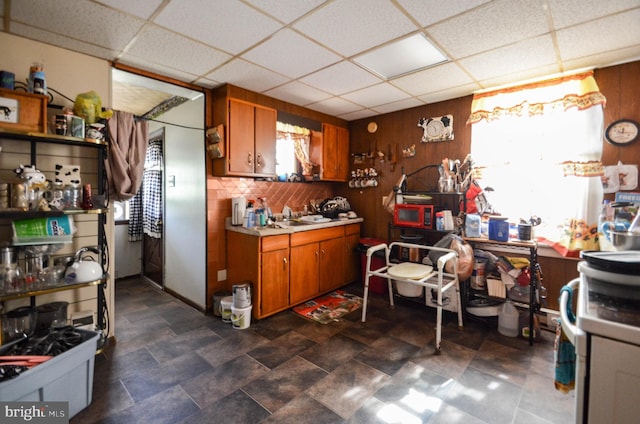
x=68, y=377
x=377, y=285
x=498, y=229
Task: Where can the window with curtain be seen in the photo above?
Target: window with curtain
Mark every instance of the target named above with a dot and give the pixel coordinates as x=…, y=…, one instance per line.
x=292, y=147
x=539, y=147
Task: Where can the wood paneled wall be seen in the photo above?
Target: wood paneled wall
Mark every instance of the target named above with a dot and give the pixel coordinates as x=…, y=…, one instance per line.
x=620, y=84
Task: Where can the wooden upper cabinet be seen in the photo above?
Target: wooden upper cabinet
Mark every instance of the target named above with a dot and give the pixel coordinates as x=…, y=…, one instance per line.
x=331, y=152
x=250, y=141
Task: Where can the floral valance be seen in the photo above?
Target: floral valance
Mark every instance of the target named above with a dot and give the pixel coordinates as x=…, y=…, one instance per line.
x=281, y=127
x=580, y=91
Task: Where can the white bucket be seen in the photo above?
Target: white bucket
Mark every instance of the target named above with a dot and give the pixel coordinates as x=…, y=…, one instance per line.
x=241, y=317
x=241, y=295
x=225, y=308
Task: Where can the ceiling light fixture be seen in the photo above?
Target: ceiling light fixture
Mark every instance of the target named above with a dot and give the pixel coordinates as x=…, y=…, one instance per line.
x=401, y=57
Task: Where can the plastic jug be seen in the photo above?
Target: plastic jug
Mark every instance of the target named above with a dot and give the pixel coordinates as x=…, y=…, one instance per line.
x=508, y=320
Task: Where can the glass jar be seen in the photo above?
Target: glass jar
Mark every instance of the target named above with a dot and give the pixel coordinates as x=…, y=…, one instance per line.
x=71, y=196
x=11, y=275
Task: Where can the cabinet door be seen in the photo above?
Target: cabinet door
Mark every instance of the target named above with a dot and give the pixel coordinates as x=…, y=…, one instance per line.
x=614, y=382
x=241, y=154
x=331, y=264
x=304, y=272
x=335, y=153
x=274, y=281
x=265, y=141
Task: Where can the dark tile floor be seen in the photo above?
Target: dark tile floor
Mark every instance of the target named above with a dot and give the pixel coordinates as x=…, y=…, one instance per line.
x=171, y=364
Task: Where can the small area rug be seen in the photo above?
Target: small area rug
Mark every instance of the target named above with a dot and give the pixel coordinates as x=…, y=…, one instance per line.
x=330, y=307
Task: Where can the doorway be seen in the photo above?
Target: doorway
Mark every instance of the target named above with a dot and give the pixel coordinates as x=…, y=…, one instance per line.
x=153, y=210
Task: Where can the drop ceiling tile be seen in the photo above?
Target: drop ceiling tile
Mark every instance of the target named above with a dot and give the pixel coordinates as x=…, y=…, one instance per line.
x=62, y=41
x=142, y=9
x=247, y=75
x=286, y=11
x=400, y=105
x=84, y=21
x=334, y=106
x=528, y=54
x=297, y=93
x=611, y=33
x=601, y=60
x=376, y=95
x=450, y=93
x=145, y=65
x=571, y=12
x=160, y=46
x=291, y=54
x=228, y=25
x=341, y=78
x=359, y=114
x=521, y=77
x=351, y=26
x=432, y=79
x=427, y=14
x=492, y=25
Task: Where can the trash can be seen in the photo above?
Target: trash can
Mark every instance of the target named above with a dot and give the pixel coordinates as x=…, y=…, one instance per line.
x=377, y=285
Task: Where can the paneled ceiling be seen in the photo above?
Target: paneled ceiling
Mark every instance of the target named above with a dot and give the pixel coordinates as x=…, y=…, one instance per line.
x=302, y=51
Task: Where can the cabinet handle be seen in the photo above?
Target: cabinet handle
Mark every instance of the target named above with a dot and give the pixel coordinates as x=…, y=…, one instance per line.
x=250, y=159
x=258, y=160
x=284, y=261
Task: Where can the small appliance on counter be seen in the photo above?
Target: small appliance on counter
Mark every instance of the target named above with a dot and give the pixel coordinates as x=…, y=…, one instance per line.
x=238, y=206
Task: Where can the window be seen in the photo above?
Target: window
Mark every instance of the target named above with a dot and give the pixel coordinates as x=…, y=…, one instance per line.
x=539, y=147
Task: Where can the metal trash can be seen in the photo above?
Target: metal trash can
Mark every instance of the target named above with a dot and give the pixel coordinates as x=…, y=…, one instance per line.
x=377, y=285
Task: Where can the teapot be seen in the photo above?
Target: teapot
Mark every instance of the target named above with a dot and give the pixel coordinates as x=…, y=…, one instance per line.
x=83, y=270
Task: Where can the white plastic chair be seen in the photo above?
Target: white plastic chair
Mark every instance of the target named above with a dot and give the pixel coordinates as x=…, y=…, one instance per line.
x=429, y=277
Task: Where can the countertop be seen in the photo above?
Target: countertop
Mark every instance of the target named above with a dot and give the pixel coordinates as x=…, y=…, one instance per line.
x=269, y=231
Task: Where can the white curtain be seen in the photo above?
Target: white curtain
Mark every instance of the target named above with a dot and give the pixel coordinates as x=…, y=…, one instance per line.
x=539, y=147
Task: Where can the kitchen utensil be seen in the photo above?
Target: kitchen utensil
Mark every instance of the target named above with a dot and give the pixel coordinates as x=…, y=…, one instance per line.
x=86, y=269
x=625, y=240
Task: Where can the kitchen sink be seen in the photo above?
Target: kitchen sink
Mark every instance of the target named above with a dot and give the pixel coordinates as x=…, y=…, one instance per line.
x=294, y=223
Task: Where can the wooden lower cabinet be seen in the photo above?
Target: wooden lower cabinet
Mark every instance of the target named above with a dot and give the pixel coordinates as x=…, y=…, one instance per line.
x=304, y=275
x=289, y=269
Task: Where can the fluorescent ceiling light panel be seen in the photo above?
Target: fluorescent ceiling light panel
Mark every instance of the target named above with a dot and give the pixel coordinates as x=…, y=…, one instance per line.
x=401, y=57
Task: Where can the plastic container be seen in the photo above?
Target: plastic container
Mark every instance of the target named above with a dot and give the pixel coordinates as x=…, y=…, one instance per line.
x=241, y=317
x=508, y=320
x=498, y=229
x=217, y=297
x=241, y=295
x=67, y=377
x=225, y=308
x=408, y=289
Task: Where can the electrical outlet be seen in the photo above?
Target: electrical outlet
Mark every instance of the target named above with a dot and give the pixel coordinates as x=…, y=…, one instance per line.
x=222, y=275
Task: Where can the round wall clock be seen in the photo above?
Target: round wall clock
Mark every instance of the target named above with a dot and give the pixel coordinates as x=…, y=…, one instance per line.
x=435, y=128
x=622, y=132
x=372, y=127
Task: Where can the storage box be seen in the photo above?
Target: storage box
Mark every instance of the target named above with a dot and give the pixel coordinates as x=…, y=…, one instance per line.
x=498, y=229
x=67, y=377
x=21, y=111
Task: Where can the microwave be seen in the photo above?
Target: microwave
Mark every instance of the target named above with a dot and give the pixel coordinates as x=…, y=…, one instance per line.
x=414, y=216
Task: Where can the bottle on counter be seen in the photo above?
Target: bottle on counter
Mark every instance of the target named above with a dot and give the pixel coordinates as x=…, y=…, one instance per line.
x=249, y=216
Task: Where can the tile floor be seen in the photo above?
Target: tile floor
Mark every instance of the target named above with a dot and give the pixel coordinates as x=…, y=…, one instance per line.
x=171, y=364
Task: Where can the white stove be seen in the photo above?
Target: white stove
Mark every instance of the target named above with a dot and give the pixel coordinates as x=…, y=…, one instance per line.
x=607, y=338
